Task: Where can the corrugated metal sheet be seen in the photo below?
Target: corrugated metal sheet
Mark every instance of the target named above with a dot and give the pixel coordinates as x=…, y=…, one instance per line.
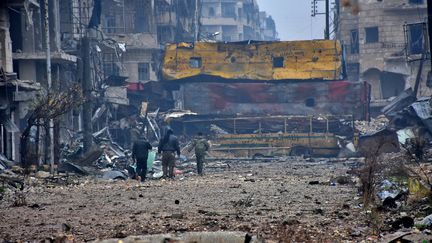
x=312, y=59
x=300, y=98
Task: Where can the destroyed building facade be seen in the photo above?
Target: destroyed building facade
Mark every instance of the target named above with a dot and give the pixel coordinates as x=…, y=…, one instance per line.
x=127, y=41
x=235, y=20
x=384, y=43
x=23, y=61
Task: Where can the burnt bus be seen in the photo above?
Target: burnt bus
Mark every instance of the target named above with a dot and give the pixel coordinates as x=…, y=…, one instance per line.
x=264, y=86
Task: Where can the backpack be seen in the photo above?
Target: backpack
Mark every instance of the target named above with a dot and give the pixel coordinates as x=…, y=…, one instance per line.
x=201, y=145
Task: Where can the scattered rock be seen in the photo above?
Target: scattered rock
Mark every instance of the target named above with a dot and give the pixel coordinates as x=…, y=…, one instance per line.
x=34, y=206
x=427, y=221
x=318, y=211
x=42, y=174
x=291, y=222
x=121, y=234
x=177, y=216
x=343, y=180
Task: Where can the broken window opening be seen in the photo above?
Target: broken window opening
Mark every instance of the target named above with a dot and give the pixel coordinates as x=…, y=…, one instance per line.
x=111, y=69
x=211, y=12
x=195, y=62
x=372, y=34
x=110, y=66
x=142, y=19
x=429, y=80
x=15, y=31
x=141, y=24
x=143, y=71
x=415, y=38
x=310, y=102
x=355, y=41
x=228, y=10
x=392, y=84
x=353, y=70
x=165, y=34
x=278, y=62
x=416, y=1
x=110, y=24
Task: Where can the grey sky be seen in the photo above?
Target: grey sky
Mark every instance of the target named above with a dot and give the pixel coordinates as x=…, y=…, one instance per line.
x=293, y=18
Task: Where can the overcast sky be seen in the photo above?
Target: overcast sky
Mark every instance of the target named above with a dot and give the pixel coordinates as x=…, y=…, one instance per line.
x=293, y=18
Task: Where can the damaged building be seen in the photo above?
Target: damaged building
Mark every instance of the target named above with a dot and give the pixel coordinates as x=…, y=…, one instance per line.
x=23, y=64
x=386, y=45
x=235, y=21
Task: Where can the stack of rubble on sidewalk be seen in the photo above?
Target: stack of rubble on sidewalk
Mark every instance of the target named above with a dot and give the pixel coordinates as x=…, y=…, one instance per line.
x=374, y=125
x=106, y=155
x=397, y=168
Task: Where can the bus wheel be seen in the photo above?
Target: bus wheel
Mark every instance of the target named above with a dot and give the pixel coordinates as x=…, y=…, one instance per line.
x=300, y=151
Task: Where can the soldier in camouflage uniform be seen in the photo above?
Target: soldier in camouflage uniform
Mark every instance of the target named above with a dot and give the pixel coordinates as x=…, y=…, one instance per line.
x=201, y=147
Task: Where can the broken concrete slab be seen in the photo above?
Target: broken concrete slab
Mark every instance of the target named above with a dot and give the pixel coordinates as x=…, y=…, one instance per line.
x=114, y=175
x=71, y=167
x=401, y=102
x=42, y=174
x=423, y=110
x=384, y=141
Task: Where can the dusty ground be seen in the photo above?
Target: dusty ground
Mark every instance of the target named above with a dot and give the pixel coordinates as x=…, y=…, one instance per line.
x=273, y=200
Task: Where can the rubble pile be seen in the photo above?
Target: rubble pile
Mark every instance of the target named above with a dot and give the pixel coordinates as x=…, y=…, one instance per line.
x=106, y=154
x=374, y=125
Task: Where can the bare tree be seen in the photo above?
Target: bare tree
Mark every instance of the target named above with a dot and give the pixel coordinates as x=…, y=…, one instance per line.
x=46, y=107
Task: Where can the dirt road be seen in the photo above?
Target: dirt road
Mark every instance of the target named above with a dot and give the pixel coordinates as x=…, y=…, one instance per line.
x=278, y=201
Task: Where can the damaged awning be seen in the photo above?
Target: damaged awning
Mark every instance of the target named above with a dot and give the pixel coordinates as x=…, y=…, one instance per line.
x=24, y=84
x=424, y=111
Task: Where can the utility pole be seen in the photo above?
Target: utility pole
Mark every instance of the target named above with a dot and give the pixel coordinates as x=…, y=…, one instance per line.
x=327, y=18
x=49, y=83
x=315, y=12
x=429, y=14
x=197, y=20
x=87, y=88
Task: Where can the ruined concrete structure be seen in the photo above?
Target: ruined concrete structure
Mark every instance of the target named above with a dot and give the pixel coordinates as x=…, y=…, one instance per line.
x=384, y=43
x=127, y=39
x=235, y=20
x=23, y=60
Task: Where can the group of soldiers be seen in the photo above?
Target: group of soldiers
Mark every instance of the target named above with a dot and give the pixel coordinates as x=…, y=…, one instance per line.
x=169, y=148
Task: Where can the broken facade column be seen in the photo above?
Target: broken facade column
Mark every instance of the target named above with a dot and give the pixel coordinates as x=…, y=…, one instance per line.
x=5, y=40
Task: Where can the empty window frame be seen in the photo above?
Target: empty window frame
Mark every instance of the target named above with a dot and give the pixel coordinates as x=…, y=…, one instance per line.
x=228, y=10
x=143, y=71
x=416, y=1
x=415, y=38
x=353, y=70
x=110, y=66
x=110, y=69
x=110, y=24
x=354, y=42
x=372, y=34
x=211, y=12
x=278, y=62
x=195, y=62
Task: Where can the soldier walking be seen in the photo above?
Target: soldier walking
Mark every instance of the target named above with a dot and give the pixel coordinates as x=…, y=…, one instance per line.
x=140, y=150
x=201, y=147
x=169, y=146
